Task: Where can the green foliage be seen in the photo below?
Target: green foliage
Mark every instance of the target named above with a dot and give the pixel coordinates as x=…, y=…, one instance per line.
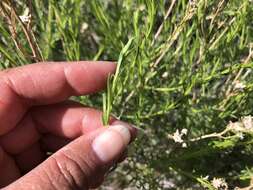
x=181, y=65
x=112, y=88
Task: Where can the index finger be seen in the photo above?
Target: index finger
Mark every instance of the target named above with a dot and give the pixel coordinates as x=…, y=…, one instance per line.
x=47, y=83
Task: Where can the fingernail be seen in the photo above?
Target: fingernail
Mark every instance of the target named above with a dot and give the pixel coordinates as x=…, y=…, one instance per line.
x=133, y=130
x=111, y=142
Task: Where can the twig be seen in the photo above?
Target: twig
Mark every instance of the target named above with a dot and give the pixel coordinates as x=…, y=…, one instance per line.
x=165, y=18
x=213, y=135
x=241, y=70
x=215, y=41
x=189, y=14
x=36, y=54
x=229, y=92
x=29, y=26
x=12, y=29
x=219, y=8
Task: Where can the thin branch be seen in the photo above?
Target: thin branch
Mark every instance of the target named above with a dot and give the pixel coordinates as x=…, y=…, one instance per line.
x=229, y=92
x=170, y=41
x=164, y=20
x=29, y=27
x=213, y=135
x=34, y=49
x=12, y=29
x=247, y=60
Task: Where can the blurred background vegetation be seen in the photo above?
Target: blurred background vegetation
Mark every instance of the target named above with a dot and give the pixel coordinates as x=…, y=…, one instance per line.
x=185, y=78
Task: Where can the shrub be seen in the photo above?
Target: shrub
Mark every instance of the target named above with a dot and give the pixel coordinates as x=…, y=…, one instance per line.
x=184, y=78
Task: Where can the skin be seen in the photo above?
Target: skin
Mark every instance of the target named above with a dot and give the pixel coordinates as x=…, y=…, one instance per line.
x=37, y=117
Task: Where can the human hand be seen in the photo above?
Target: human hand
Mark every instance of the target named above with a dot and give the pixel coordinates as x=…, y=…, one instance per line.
x=36, y=118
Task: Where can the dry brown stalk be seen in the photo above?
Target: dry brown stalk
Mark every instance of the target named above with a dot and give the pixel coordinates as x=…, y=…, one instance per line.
x=7, y=9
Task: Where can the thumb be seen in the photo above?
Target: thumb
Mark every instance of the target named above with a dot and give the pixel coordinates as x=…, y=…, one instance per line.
x=81, y=164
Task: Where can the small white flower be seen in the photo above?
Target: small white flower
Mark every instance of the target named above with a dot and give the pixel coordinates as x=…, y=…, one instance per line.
x=241, y=136
x=177, y=137
x=184, y=145
x=245, y=125
x=142, y=7
x=236, y=126
x=206, y=177
x=239, y=85
x=219, y=183
x=165, y=74
x=184, y=131
x=25, y=18
x=84, y=27
x=247, y=122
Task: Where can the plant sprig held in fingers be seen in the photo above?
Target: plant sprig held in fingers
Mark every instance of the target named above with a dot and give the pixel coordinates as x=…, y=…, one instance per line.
x=112, y=82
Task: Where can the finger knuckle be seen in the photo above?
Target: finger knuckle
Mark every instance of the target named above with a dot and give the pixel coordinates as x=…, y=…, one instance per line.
x=76, y=171
x=69, y=172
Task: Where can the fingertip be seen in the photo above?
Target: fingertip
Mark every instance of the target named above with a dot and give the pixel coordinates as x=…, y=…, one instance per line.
x=107, y=66
x=111, y=142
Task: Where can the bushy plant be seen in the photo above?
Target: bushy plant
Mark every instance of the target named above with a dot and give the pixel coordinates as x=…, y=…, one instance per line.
x=184, y=78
